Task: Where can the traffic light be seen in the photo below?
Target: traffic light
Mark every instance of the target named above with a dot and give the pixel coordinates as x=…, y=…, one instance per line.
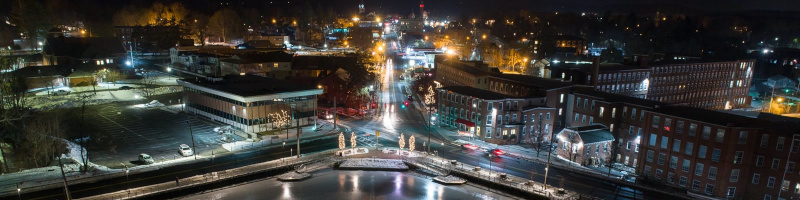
x=406, y=103
x=403, y=106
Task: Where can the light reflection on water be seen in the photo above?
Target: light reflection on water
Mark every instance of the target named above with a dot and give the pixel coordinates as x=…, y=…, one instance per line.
x=351, y=185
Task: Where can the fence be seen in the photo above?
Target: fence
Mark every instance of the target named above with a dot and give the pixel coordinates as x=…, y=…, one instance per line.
x=213, y=177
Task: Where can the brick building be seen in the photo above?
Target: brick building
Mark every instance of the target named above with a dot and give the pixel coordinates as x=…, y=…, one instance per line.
x=495, y=117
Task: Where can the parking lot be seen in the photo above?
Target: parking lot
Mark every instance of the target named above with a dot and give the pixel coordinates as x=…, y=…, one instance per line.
x=154, y=131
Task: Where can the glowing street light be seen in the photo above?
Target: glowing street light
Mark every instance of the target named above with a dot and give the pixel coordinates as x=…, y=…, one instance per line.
x=355, y=19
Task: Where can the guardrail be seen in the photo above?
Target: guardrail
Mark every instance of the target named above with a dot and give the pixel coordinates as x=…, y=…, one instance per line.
x=213, y=177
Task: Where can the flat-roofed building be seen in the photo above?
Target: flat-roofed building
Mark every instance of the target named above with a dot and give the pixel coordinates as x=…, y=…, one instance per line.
x=250, y=103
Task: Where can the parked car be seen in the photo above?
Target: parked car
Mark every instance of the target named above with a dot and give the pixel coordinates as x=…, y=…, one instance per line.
x=185, y=150
x=469, y=146
x=125, y=87
x=60, y=92
x=146, y=159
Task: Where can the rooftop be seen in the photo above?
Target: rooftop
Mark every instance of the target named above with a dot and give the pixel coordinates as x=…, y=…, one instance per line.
x=617, y=98
x=84, y=48
x=248, y=85
x=534, y=81
x=477, y=93
x=788, y=125
x=275, y=56
x=593, y=133
x=322, y=62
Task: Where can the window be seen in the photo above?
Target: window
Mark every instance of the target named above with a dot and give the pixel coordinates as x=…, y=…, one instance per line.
x=593, y=102
x=661, y=158
x=501, y=105
x=547, y=116
x=698, y=169
x=633, y=113
x=734, y=176
x=797, y=188
x=583, y=119
x=731, y=192
x=682, y=181
x=795, y=146
x=706, y=132
x=628, y=146
x=695, y=185
x=524, y=118
x=689, y=148
x=679, y=127
x=776, y=163
x=673, y=162
x=667, y=123
x=655, y=121
x=779, y=145
x=686, y=164
x=756, y=178
x=720, y=135
x=591, y=120
x=659, y=172
x=585, y=103
x=577, y=117
x=790, y=166
x=489, y=106
x=676, y=145
x=653, y=139
x=785, y=185
x=764, y=140
x=646, y=170
x=664, y=141
x=767, y=197
x=613, y=112
x=737, y=158
x=715, y=155
x=561, y=99
x=709, y=189
x=630, y=130
x=671, y=178
x=701, y=152
x=742, y=137
x=770, y=181
x=760, y=161
x=650, y=155
x=624, y=111
x=712, y=173
x=692, y=129
x=578, y=102
x=601, y=111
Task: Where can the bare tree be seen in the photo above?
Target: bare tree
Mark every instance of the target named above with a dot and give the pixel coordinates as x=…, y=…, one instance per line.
x=113, y=76
x=572, y=143
x=536, y=137
x=225, y=23
x=42, y=141
x=610, y=159
x=148, y=85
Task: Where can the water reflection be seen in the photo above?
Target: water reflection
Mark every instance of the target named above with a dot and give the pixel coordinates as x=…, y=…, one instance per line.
x=365, y=184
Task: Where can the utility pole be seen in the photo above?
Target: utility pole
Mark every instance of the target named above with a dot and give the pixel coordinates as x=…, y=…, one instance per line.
x=299, y=131
x=335, y=113
x=429, y=129
x=194, y=151
x=63, y=177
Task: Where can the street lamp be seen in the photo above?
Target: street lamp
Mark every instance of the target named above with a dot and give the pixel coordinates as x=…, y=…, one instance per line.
x=194, y=151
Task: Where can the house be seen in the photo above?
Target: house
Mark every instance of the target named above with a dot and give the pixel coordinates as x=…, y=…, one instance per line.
x=97, y=50
x=148, y=39
x=587, y=145
x=53, y=76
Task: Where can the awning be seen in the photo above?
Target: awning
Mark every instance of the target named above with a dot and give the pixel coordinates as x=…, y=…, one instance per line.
x=465, y=122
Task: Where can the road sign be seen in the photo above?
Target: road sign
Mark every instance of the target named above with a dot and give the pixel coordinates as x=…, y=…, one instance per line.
x=377, y=133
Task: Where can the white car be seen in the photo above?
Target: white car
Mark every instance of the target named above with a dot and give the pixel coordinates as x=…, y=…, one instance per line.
x=60, y=92
x=146, y=159
x=185, y=150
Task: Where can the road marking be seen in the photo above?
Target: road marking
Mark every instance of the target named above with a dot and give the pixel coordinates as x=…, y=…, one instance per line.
x=134, y=132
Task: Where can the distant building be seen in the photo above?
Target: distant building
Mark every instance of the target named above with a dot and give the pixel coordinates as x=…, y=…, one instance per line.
x=98, y=50
x=272, y=64
x=148, y=39
x=560, y=45
x=250, y=103
x=780, y=82
x=410, y=25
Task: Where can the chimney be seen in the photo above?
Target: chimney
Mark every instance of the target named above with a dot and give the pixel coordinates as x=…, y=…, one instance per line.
x=595, y=70
x=643, y=61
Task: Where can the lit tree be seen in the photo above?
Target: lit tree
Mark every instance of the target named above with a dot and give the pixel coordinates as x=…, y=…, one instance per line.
x=411, y=142
x=429, y=98
x=281, y=119
x=353, y=140
x=341, y=141
x=225, y=24
x=402, y=142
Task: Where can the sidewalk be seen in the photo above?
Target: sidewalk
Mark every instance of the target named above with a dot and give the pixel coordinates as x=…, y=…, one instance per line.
x=307, y=132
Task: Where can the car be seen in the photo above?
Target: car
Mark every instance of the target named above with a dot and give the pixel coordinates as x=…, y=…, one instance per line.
x=402, y=78
x=60, y=92
x=469, y=146
x=146, y=159
x=125, y=87
x=185, y=150
x=497, y=152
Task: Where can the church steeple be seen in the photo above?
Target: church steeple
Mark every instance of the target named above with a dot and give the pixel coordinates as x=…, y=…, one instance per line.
x=361, y=7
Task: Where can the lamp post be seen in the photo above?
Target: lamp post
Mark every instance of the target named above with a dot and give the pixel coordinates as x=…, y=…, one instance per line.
x=191, y=134
x=795, y=138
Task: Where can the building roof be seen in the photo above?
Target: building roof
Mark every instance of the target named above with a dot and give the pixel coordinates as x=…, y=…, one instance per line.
x=78, y=70
x=611, y=67
x=248, y=85
x=322, y=62
x=475, y=68
x=599, y=135
x=84, y=48
x=534, y=81
x=767, y=121
x=477, y=93
x=617, y=98
x=275, y=56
